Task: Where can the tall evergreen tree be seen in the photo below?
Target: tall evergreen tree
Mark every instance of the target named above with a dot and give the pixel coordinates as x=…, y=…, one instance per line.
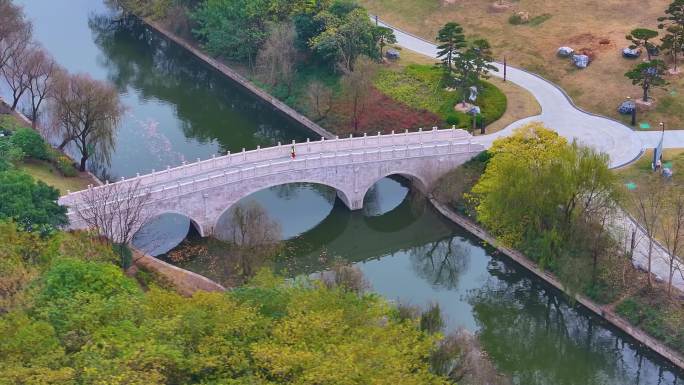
x=451, y=40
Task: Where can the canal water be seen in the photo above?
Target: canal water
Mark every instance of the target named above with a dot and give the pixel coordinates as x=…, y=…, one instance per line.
x=178, y=109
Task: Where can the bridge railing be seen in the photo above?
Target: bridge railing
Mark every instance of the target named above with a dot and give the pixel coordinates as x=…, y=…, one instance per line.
x=242, y=173
x=324, y=149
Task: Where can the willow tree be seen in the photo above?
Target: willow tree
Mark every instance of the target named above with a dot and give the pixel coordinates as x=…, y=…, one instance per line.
x=543, y=194
x=40, y=80
x=86, y=112
x=15, y=31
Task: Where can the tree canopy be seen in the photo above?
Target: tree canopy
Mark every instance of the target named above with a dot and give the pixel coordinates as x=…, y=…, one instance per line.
x=647, y=75
x=540, y=192
x=31, y=204
x=68, y=315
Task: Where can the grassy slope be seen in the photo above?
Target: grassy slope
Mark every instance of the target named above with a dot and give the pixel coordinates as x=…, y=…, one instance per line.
x=47, y=173
x=578, y=23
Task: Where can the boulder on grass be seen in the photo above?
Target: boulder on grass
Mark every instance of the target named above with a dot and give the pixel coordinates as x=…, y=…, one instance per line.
x=630, y=53
x=627, y=107
x=565, y=51
x=580, y=61
x=474, y=110
x=392, y=54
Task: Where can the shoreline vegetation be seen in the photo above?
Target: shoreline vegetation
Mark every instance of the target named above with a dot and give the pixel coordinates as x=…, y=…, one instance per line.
x=326, y=94
x=609, y=315
x=54, y=171
x=593, y=268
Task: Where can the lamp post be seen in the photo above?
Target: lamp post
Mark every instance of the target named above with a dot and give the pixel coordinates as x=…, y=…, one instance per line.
x=505, y=68
x=629, y=99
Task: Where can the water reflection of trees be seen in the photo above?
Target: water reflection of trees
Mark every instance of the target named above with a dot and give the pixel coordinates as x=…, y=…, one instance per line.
x=290, y=191
x=208, y=106
x=533, y=334
x=441, y=263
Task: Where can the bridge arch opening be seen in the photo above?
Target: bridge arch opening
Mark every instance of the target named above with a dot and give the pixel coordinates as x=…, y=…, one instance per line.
x=164, y=232
x=295, y=207
x=391, y=192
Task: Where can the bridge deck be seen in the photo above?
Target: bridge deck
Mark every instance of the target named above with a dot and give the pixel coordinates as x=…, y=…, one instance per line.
x=235, y=167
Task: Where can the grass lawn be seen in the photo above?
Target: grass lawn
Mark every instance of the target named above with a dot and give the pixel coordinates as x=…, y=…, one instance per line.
x=419, y=86
x=601, y=26
x=639, y=171
x=520, y=103
x=49, y=175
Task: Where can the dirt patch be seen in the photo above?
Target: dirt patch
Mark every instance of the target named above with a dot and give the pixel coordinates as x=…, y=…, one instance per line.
x=587, y=52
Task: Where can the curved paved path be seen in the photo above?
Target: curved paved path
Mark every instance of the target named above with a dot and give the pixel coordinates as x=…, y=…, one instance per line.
x=559, y=113
x=620, y=142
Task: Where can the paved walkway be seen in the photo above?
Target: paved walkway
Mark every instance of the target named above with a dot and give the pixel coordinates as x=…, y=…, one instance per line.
x=660, y=260
x=559, y=113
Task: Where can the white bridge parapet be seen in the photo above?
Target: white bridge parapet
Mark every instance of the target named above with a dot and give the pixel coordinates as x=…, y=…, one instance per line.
x=204, y=190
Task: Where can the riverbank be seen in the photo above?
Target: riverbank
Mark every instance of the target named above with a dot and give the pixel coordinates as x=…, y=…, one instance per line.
x=45, y=171
x=386, y=108
x=239, y=79
x=603, y=311
x=185, y=282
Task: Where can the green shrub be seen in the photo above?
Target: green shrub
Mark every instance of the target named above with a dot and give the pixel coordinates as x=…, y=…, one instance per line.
x=492, y=102
x=453, y=119
x=31, y=204
x=68, y=277
x=30, y=142
x=53, y=154
x=66, y=166
x=516, y=19
x=9, y=154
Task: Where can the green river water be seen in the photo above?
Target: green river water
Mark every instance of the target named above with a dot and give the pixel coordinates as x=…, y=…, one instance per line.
x=178, y=109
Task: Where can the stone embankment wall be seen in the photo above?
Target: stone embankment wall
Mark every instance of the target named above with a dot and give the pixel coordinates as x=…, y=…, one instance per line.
x=241, y=80
x=601, y=311
x=184, y=281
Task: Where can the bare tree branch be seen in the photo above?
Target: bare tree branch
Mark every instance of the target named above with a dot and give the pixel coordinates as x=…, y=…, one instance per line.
x=115, y=211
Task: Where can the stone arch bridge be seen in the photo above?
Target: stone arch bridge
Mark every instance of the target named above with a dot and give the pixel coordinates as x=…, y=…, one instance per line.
x=204, y=190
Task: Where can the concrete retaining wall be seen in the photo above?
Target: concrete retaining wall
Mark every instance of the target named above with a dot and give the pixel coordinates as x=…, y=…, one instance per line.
x=601, y=311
